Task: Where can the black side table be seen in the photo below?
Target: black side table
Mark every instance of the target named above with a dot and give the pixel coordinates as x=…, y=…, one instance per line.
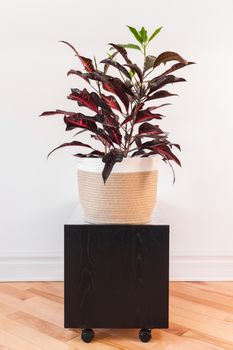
x=116, y=276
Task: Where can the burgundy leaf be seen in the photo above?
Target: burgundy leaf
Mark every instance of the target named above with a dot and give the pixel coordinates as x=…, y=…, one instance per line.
x=156, y=152
x=135, y=69
x=87, y=62
x=103, y=137
x=147, y=128
x=79, y=74
x=111, y=82
x=73, y=143
x=114, y=85
x=106, y=66
x=101, y=103
x=161, y=81
x=114, y=134
x=117, y=65
x=160, y=94
x=110, y=159
x=161, y=148
x=175, y=67
x=138, y=153
x=176, y=145
x=58, y=111
x=135, y=110
x=111, y=101
x=151, y=153
x=165, y=151
x=122, y=51
x=93, y=154
x=110, y=120
x=169, y=56
x=138, y=141
x=160, y=106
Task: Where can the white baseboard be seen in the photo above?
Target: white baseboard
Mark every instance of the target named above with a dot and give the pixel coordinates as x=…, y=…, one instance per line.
x=204, y=267
x=31, y=266
x=49, y=266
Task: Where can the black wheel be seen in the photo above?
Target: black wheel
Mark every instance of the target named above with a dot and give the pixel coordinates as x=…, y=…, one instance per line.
x=87, y=335
x=145, y=335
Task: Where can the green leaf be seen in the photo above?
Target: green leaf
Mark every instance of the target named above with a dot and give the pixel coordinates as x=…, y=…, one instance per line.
x=154, y=34
x=143, y=34
x=129, y=46
x=136, y=34
x=131, y=72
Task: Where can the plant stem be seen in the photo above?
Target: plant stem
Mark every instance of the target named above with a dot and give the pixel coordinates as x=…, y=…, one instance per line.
x=131, y=130
x=144, y=50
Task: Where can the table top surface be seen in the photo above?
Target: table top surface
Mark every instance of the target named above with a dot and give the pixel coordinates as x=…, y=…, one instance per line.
x=77, y=218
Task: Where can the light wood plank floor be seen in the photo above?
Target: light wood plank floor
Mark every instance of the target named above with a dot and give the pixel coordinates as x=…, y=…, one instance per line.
x=201, y=318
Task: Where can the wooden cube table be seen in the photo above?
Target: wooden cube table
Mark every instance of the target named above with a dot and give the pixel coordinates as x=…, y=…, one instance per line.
x=116, y=276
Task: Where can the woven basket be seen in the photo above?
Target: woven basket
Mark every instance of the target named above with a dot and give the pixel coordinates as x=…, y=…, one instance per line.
x=128, y=196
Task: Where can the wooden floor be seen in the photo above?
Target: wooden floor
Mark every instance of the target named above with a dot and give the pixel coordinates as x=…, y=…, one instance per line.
x=201, y=318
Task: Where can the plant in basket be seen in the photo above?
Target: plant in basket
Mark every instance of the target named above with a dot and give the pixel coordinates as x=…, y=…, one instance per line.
x=117, y=175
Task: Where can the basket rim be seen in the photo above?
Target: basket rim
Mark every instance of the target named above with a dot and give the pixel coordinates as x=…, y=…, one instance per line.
x=128, y=165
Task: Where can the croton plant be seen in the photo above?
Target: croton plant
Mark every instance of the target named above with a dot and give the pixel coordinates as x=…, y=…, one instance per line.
x=119, y=116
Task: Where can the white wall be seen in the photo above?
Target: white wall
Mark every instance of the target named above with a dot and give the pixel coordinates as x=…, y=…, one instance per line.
x=37, y=196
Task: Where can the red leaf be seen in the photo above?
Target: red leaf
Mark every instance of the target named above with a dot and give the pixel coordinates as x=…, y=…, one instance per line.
x=165, y=151
x=58, y=111
x=73, y=143
x=107, y=87
x=111, y=101
x=114, y=134
x=142, y=116
x=147, y=115
x=87, y=62
x=84, y=98
x=80, y=121
x=114, y=85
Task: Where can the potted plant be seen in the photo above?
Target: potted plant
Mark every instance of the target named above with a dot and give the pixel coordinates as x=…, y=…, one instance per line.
x=118, y=181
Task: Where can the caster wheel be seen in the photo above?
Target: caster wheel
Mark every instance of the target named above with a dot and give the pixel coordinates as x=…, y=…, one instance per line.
x=145, y=335
x=87, y=335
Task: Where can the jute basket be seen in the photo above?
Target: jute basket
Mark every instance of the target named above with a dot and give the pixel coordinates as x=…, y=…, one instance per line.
x=128, y=196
